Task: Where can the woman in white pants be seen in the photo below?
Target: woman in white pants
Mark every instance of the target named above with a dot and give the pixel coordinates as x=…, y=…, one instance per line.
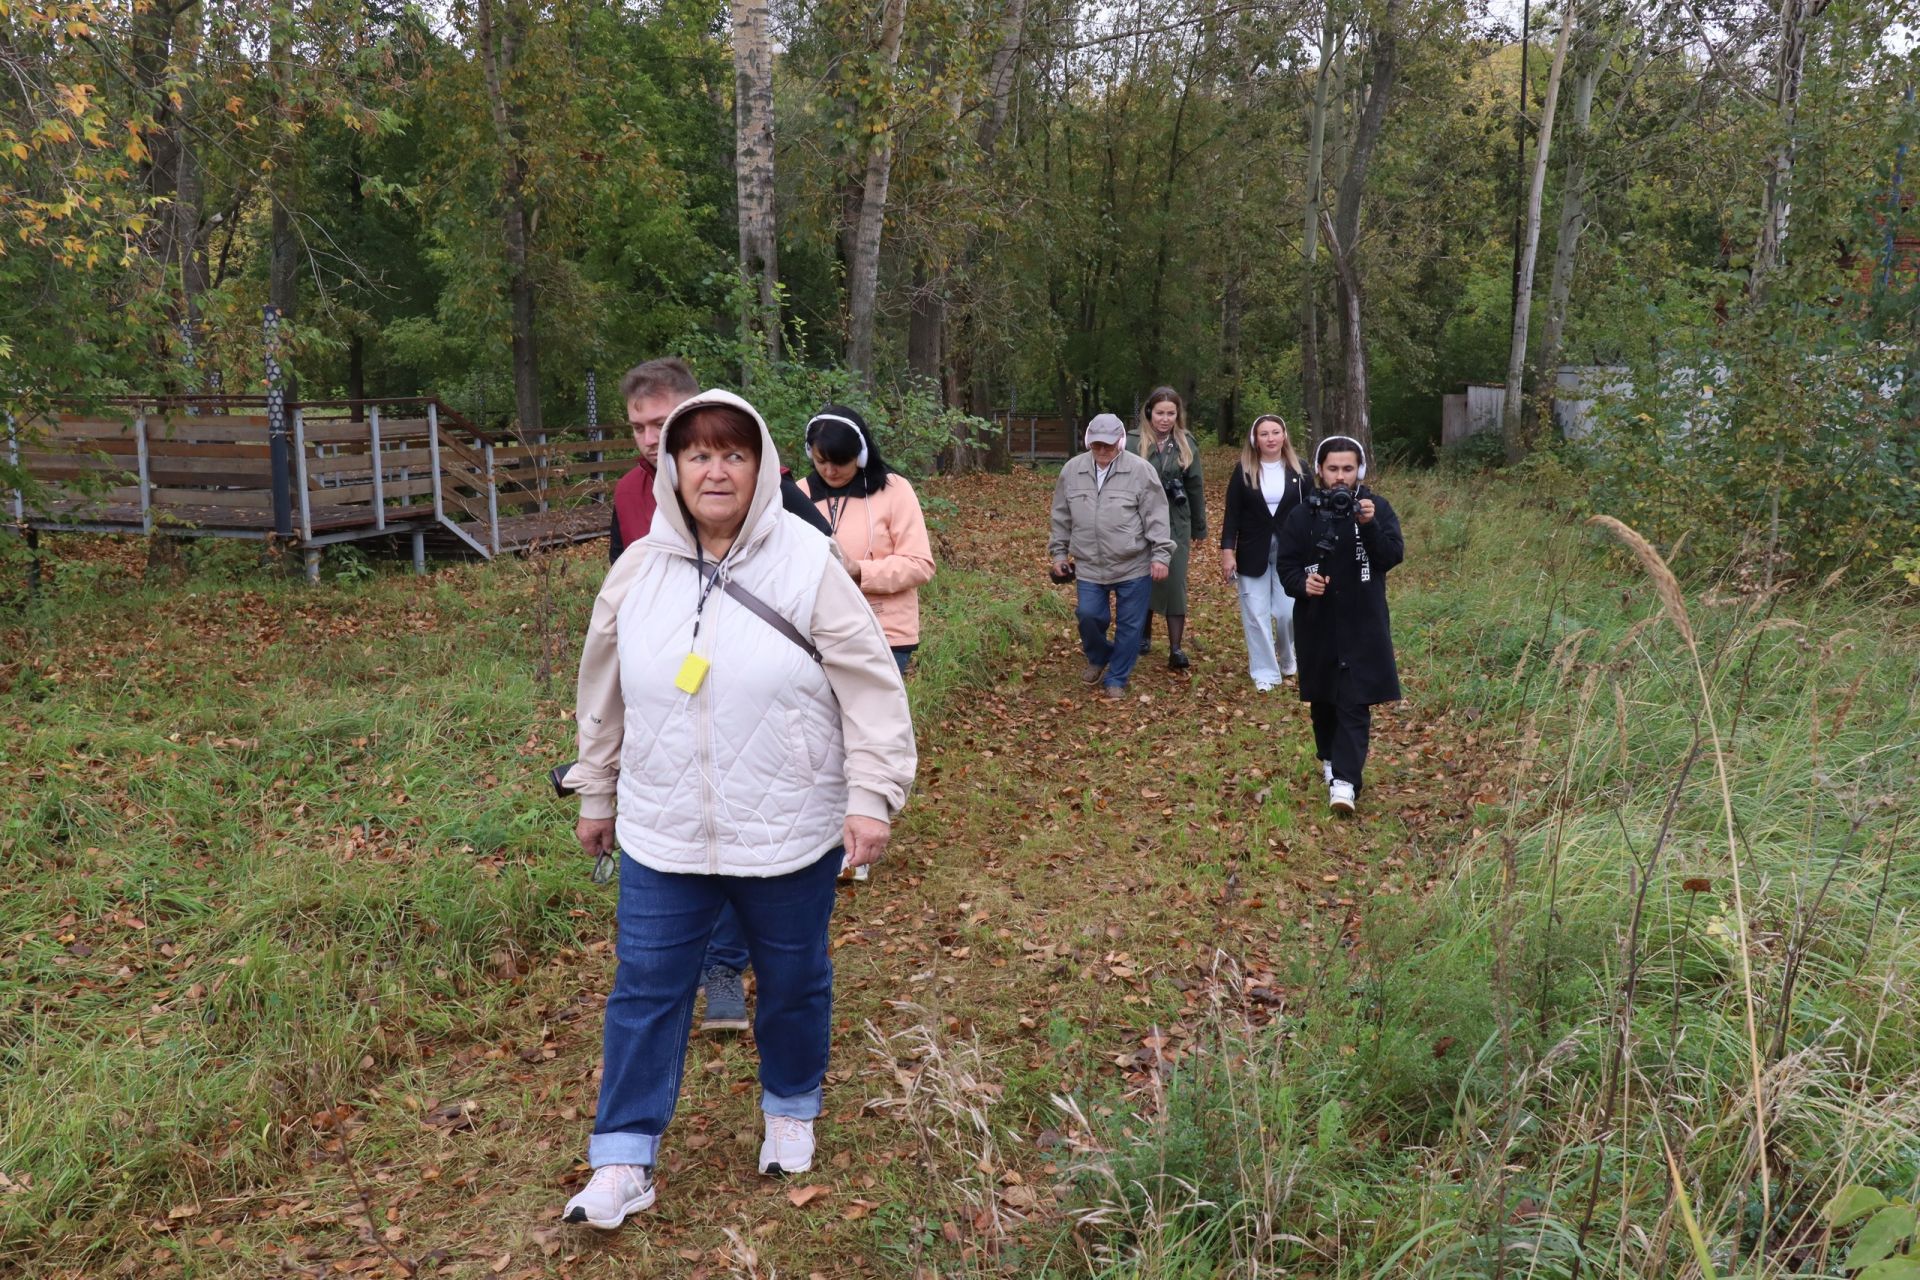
x=1262, y=489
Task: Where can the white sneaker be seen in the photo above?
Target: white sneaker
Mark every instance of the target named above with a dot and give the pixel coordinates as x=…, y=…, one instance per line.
x=1326, y=772
x=1340, y=796
x=788, y=1147
x=1263, y=686
x=616, y=1191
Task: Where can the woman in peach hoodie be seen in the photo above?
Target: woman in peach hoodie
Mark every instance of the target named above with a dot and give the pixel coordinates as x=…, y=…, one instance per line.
x=876, y=520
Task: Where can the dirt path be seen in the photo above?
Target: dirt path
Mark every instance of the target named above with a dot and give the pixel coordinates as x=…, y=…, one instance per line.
x=1079, y=887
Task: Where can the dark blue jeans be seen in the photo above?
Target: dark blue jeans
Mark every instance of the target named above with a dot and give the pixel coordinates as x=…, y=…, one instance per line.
x=728, y=946
x=1129, y=608
x=664, y=923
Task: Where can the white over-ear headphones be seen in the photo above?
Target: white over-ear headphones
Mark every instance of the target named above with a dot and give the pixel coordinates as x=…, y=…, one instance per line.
x=1341, y=444
x=861, y=461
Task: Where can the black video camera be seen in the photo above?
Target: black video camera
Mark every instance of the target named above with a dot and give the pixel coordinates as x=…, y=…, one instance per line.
x=1332, y=509
x=1337, y=503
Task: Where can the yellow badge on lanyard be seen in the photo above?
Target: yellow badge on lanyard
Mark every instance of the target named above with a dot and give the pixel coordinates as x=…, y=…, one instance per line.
x=692, y=672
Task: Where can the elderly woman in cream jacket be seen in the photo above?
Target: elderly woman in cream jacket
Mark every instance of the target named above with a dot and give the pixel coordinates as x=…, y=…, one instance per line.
x=743, y=726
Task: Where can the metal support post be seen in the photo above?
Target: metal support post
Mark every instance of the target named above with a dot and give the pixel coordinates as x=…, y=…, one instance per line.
x=493, y=498
x=146, y=473
x=300, y=473
x=379, y=470
x=433, y=459
x=420, y=553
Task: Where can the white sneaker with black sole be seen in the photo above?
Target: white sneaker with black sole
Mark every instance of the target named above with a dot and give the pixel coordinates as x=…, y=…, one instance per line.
x=616, y=1191
x=1340, y=796
x=787, y=1148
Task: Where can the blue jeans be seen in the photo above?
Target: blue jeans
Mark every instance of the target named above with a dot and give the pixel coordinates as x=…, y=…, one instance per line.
x=903, y=656
x=728, y=946
x=665, y=921
x=1119, y=654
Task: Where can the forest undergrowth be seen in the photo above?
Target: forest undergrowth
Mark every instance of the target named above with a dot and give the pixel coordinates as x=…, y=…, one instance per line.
x=1613, y=976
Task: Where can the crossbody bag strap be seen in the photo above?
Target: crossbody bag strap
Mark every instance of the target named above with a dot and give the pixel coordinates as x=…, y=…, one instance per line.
x=771, y=616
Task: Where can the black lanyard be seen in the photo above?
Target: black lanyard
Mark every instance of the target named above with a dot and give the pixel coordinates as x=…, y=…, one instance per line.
x=707, y=583
x=837, y=507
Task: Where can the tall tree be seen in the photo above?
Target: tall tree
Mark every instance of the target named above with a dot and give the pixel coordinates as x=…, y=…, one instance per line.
x=1324, y=78
x=1796, y=20
x=502, y=30
x=1512, y=422
x=1343, y=229
x=753, y=168
x=1589, y=53
x=865, y=281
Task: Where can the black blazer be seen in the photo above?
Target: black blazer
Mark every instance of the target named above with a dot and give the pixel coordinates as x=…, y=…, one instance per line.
x=1246, y=527
x=1343, y=639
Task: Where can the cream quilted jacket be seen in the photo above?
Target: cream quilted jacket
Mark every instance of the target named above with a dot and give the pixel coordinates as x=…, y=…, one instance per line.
x=755, y=773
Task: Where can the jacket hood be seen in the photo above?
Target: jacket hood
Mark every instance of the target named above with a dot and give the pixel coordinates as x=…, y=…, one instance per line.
x=671, y=528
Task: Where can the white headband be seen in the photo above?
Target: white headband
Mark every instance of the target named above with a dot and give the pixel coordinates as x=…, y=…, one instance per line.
x=861, y=461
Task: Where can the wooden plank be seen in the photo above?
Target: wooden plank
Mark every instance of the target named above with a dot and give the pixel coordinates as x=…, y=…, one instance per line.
x=204, y=431
x=350, y=494
x=361, y=463
x=556, y=495
x=192, y=424
x=243, y=499
x=207, y=474
x=37, y=461
x=347, y=431
x=508, y=453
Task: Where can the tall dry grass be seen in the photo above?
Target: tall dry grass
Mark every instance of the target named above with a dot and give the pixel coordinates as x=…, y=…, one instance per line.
x=1679, y=972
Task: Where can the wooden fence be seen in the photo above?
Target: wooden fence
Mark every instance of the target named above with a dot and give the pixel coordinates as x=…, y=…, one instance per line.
x=1030, y=435
x=356, y=471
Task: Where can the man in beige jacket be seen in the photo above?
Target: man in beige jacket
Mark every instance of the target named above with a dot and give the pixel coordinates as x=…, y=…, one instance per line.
x=1110, y=531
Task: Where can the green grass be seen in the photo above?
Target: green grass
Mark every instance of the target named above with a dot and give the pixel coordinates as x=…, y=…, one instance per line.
x=1469, y=1039
x=272, y=856
x=264, y=845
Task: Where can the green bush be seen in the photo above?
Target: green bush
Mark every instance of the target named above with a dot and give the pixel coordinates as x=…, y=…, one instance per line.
x=1780, y=433
x=911, y=425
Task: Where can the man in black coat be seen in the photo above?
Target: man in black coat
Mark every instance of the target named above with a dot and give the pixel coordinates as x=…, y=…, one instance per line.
x=1335, y=568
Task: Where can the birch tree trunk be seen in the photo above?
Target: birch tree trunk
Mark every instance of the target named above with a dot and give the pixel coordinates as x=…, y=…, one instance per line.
x=500, y=35
x=864, y=284
x=753, y=168
x=1310, y=392
x=1573, y=213
x=1789, y=69
x=1510, y=422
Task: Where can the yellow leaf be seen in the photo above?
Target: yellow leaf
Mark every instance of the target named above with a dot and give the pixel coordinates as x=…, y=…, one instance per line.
x=136, y=148
x=73, y=97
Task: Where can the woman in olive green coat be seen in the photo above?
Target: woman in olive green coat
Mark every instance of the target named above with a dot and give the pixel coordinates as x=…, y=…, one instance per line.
x=1166, y=443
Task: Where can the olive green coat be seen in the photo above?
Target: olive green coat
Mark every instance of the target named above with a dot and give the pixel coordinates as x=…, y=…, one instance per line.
x=1187, y=520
